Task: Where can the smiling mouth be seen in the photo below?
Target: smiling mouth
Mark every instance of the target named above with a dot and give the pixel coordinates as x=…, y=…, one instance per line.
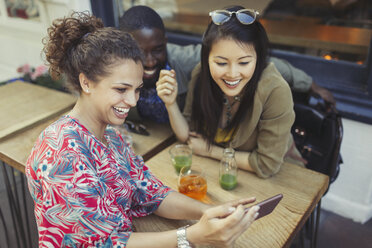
x=121, y=111
x=149, y=72
x=232, y=83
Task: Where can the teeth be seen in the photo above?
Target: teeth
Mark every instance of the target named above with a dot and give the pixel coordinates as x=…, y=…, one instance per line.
x=232, y=83
x=149, y=72
x=122, y=110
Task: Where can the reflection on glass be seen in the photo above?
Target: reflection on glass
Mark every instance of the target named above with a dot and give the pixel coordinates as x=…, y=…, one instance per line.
x=165, y=8
x=26, y=9
x=315, y=28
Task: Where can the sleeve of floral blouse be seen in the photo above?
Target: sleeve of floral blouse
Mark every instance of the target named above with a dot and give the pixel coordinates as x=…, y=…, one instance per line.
x=150, y=190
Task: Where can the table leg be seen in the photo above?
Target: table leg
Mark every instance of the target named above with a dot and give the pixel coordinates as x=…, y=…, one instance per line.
x=317, y=218
x=314, y=225
x=22, y=232
x=5, y=229
x=10, y=201
x=25, y=208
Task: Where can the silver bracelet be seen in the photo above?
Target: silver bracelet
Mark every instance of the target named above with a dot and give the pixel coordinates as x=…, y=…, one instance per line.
x=181, y=238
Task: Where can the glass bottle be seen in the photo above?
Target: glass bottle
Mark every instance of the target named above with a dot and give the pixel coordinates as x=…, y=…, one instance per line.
x=228, y=170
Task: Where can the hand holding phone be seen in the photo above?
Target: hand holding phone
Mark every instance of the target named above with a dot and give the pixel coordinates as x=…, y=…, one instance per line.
x=267, y=206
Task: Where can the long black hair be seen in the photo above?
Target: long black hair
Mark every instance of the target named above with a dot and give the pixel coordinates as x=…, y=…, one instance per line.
x=208, y=98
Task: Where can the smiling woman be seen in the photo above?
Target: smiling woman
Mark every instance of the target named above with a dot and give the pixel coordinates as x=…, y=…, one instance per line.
x=235, y=98
x=232, y=68
x=86, y=181
x=109, y=100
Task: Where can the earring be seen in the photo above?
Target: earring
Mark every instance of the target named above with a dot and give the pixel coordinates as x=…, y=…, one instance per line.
x=87, y=90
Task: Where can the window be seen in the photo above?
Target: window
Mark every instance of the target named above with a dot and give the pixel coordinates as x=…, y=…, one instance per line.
x=21, y=14
x=329, y=40
x=26, y=9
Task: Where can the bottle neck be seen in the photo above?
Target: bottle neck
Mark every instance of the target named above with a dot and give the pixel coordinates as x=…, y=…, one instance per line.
x=228, y=153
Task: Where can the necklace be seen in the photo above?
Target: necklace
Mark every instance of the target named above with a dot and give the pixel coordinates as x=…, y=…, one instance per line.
x=229, y=107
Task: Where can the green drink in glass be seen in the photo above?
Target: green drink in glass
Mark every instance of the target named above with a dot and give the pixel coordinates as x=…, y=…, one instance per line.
x=181, y=156
x=228, y=175
x=228, y=181
x=181, y=161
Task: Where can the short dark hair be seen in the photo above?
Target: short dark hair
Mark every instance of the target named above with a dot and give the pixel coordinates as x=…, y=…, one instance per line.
x=81, y=44
x=139, y=17
x=208, y=97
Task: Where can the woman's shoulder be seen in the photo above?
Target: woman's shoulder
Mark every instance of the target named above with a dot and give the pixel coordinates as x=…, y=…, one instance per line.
x=271, y=76
x=54, y=145
x=63, y=125
x=64, y=133
x=271, y=80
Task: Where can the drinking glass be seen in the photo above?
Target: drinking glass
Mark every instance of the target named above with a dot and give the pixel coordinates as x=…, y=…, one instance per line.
x=181, y=156
x=192, y=182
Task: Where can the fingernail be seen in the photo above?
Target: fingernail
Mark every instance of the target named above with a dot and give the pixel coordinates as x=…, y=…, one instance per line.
x=231, y=209
x=256, y=208
x=255, y=215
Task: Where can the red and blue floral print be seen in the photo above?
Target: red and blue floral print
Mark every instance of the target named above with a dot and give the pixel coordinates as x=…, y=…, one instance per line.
x=86, y=193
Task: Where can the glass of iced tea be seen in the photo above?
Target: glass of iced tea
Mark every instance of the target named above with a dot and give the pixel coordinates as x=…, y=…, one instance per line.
x=181, y=156
x=192, y=182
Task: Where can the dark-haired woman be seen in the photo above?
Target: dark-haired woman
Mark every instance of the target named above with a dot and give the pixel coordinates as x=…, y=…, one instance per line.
x=235, y=98
x=86, y=181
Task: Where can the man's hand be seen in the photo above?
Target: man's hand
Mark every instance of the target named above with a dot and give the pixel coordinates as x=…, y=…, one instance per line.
x=324, y=94
x=166, y=86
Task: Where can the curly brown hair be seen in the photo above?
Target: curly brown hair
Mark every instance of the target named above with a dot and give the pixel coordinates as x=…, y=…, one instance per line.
x=81, y=44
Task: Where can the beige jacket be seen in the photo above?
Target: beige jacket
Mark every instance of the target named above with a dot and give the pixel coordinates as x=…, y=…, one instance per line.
x=265, y=130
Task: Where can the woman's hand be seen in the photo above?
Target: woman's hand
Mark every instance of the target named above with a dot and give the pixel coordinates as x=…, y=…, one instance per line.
x=198, y=144
x=220, y=226
x=166, y=86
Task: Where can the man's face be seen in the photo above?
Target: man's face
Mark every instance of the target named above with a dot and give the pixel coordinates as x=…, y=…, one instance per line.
x=153, y=44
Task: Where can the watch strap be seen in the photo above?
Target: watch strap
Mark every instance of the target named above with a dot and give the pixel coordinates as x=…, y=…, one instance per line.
x=182, y=241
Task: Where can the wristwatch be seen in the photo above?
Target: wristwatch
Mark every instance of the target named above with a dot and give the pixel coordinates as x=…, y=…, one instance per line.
x=181, y=238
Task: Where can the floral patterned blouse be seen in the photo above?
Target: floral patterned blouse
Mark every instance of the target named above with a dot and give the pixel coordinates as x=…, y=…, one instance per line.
x=86, y=193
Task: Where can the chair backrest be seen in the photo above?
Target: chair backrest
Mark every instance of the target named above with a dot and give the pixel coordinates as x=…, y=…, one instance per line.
x=318, y=135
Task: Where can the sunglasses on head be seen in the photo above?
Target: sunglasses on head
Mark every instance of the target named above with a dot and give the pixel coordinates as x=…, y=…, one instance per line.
x=245, y=16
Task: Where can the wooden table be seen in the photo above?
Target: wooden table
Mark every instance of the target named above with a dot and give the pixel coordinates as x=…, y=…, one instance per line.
x=25, y=104
x=27, y=109
x=289, y=32
x=161, y=136
x=302, y=189
x=15, y=149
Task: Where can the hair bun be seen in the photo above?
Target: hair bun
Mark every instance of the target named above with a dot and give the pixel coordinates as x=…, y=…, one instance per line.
x=64, y=35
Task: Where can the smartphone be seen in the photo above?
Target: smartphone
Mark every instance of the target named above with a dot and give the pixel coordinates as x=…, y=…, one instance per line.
x=267, y=206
